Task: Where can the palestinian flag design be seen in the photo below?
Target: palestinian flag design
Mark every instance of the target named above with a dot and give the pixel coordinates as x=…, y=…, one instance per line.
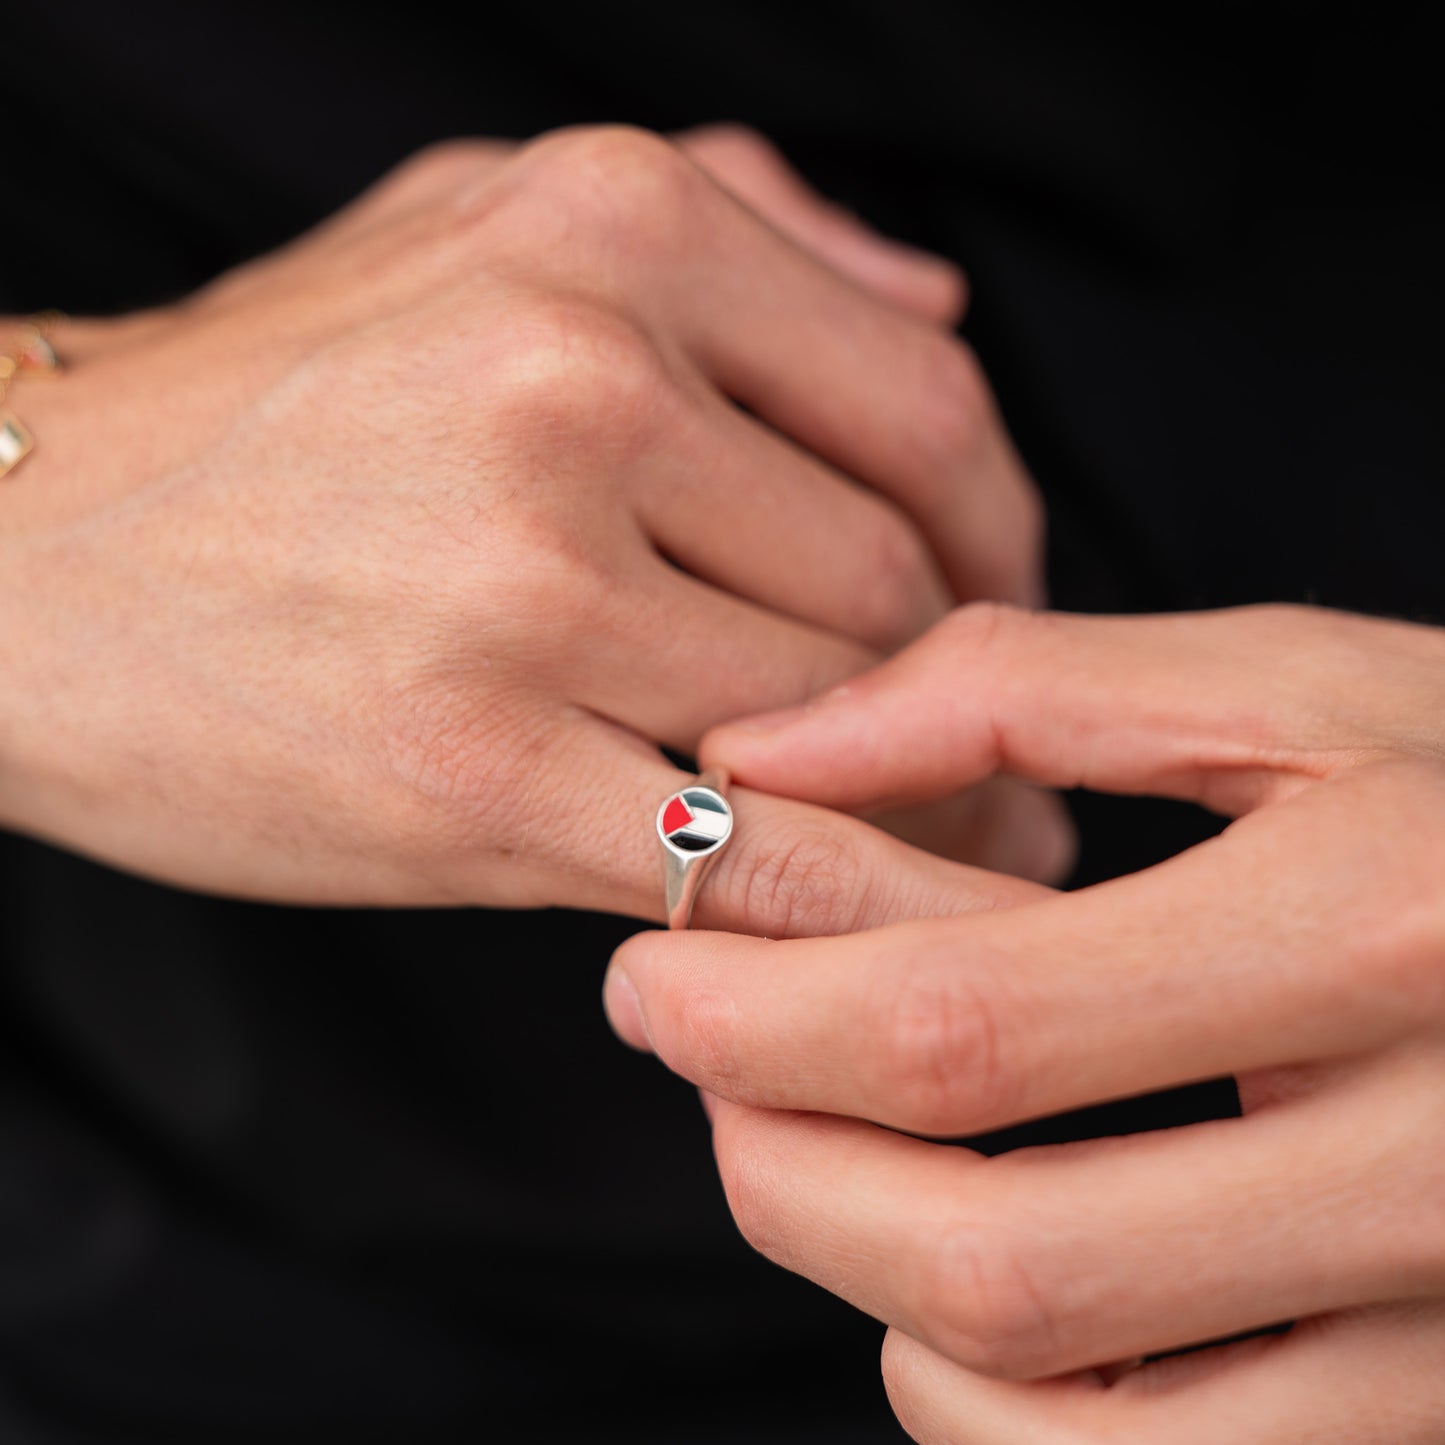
x=696, y=820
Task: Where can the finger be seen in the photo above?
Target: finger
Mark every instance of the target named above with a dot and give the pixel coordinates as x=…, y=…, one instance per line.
x=962, y=1025
x=756, y=173
x=754, y=654
x=693, y=654
x=1364, y=1378
x=762, y=518
x=1220, y=708
x=884, y=396
x=700, y=654
x=782, y=873
x=901, y=406
x=1049, y=1260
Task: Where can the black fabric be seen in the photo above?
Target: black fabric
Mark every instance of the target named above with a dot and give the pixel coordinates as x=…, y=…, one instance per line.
x=271, y=1174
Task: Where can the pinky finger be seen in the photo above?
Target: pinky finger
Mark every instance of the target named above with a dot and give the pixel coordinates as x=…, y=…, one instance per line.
x=758, y=175
x=1371, y=1377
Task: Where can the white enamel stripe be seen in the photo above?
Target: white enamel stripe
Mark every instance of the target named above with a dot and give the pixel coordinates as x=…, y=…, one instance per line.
x=708, y=819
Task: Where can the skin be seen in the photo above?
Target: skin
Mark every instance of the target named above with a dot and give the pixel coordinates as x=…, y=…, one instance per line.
x=341, y=580
x=1303, y=951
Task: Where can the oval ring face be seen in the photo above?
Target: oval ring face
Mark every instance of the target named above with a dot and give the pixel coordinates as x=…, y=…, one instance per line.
x=695, y=822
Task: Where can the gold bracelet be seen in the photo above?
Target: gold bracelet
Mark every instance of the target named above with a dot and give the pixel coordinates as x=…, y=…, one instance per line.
x=29, y=354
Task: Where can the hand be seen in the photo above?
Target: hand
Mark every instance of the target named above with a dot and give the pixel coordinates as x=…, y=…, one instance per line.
x=1303, y=950
x=377, y=571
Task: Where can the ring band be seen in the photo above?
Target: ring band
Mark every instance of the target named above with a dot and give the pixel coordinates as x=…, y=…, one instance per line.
x=693, y=826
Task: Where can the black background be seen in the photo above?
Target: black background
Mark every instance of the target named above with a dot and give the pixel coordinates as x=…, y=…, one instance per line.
x=277, y=1175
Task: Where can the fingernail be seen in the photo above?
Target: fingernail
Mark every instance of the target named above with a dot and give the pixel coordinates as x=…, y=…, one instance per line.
x=624, y=1010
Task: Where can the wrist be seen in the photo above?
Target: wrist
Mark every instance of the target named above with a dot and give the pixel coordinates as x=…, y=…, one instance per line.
x=54, y=767
x=23, y=620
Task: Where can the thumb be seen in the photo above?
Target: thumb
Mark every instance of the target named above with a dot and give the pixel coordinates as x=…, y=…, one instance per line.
x=1219, y=708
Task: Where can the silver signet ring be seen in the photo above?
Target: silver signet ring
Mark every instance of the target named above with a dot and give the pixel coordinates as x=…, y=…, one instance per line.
x=693, y=826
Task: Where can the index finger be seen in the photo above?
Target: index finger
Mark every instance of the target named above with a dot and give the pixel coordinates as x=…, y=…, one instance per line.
x=1226, y=709
x=1216, y=962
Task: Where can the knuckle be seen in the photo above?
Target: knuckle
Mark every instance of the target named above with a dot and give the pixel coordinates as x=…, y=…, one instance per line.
x=806, y=884
x=942, y=1059
x=617, y=180
x=568, y=590
x=558, y=574
x=577, y=367
x=984, y=631
x=980, y=1306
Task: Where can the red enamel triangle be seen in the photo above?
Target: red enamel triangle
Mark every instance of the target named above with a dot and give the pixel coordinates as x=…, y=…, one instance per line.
x=678, y=815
